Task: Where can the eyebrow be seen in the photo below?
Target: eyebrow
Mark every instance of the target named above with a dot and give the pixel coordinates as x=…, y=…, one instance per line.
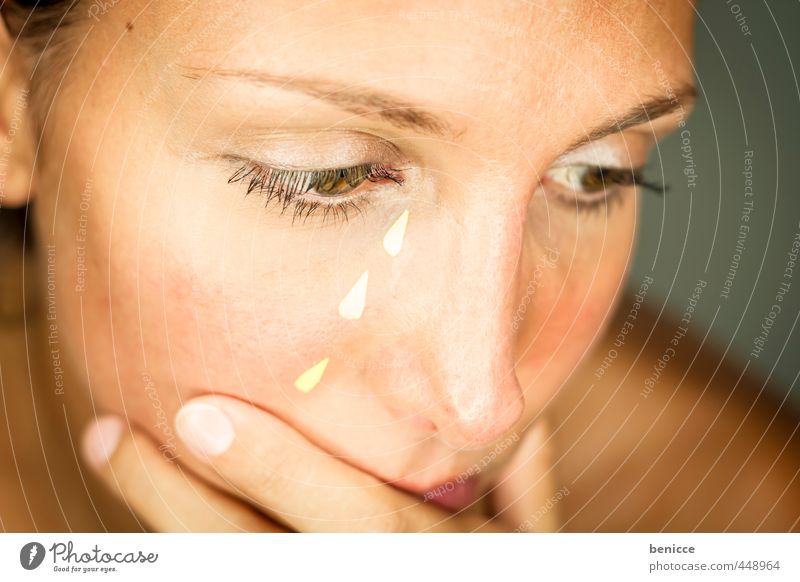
x=361, y=102
x=647, y=111
x=405, y=115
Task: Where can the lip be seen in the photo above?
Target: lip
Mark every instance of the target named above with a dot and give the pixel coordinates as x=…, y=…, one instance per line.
x=453, y=494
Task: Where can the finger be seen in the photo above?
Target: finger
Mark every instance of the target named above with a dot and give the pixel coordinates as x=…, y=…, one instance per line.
x=271, y=464
x=526, y=492
x=157, y=489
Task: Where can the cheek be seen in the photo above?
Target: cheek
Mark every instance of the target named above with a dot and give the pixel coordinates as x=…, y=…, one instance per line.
x=247, y=302
x=576, y=293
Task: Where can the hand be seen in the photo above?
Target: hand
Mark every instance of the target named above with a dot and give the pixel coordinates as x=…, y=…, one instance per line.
x=259, y=474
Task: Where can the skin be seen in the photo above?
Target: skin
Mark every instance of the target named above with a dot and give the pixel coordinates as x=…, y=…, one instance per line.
x=194, y=292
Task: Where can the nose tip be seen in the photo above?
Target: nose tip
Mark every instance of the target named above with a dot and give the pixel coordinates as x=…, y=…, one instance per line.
x=474, y=431
x=479, y=401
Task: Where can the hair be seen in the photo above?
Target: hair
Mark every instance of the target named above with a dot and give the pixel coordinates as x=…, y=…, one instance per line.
x=36, y=29
x=35, y=23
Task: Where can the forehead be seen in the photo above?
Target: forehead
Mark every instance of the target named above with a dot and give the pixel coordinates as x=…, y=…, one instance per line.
x=487, y=62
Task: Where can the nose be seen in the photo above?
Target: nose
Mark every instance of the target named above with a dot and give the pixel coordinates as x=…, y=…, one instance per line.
x=466, y=382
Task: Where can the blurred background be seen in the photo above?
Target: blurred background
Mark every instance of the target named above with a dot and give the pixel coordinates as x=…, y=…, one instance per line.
x=731, y=217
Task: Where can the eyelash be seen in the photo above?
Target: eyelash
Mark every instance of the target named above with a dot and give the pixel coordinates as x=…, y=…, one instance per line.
x=291, y=187
x=609, y=183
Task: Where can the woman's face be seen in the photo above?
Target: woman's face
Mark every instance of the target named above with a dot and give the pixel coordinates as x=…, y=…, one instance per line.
x=448, y=277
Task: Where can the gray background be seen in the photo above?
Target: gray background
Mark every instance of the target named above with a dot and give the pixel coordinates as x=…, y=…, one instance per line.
x=749, y=100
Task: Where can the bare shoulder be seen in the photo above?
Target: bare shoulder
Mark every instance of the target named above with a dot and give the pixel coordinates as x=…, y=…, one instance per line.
x=650, y=438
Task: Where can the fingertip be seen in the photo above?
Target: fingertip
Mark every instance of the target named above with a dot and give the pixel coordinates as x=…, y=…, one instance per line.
x=205, y=428
x=100, y=440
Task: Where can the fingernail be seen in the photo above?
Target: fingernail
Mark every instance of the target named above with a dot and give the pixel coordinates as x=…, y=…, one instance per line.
x=100, y=440
x=204, y=428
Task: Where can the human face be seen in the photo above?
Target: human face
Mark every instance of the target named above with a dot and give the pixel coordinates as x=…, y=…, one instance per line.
x=455, y=118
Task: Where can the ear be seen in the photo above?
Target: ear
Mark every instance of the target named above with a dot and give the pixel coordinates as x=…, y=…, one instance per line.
x=17, y=143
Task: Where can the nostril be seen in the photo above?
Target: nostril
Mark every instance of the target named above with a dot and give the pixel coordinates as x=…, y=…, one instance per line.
x=416, y=420
x=424, y=423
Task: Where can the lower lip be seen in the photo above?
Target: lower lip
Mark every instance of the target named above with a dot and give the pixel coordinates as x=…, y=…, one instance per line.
x=454, y=495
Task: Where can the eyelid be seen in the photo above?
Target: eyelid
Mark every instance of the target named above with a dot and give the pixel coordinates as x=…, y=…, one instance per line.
x=303, y=149
x=627, y=149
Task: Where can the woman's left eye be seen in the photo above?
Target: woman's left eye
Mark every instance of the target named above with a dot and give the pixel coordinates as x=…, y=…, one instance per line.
x=589, y=187
x=332, y=191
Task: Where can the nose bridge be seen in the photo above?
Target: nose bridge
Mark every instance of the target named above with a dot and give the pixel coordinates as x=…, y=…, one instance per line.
x=476, y=395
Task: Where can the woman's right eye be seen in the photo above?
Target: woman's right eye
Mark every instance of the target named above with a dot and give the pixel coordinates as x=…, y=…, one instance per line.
x=332, y=191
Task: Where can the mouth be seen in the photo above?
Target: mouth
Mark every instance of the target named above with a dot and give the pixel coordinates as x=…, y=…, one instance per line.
x=453, y=494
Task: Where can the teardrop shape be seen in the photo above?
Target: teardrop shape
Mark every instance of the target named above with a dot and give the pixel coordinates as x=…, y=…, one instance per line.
x=352, y=306
x=394, y=237
x=310, y=378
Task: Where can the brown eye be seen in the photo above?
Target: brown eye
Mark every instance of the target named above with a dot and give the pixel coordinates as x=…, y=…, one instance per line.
x=339, y=181
x=596, y=178
x=589, y=179
x=588, y=187
x=331, y=191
